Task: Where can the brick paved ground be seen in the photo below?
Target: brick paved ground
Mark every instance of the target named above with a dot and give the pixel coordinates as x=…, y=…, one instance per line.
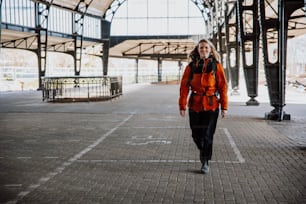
x=136, y=149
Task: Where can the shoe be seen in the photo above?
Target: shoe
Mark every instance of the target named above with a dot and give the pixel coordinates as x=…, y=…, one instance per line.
x=205, y=167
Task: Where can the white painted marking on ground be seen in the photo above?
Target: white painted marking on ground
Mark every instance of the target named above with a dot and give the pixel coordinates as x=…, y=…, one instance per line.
x=146, y=139
x=50, y=157
x=34, y=186
x=24, y=193
x=61, y=168
x=234, y=146
x=149, y=142
x=7, y=141
x=74, y=140
x=24, y=157
x=158, y=127
x=153, y=161
x=13, y=185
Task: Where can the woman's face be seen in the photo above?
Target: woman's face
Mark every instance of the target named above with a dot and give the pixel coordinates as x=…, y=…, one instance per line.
x=204, y=50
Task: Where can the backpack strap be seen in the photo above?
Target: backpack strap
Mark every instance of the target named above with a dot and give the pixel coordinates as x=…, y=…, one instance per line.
x=192, y=66
x=214, y=69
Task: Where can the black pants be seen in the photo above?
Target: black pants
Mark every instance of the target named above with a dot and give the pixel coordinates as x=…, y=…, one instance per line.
x=203, y=126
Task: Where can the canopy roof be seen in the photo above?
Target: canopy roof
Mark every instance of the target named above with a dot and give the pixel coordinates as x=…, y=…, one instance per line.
x=94, y=7
x=154, y=49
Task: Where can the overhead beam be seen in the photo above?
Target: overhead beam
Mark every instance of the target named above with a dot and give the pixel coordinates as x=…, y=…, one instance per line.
x=66, y=8
x=171, y=56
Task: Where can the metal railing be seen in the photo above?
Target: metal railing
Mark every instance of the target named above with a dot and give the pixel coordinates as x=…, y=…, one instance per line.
x=78, y=89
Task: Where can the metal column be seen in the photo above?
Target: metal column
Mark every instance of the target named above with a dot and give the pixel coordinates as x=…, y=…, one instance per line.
x=232, y=50
x=159, y=69
x=136, y=71
x=78, y=42
x=0, y=20
x=78, y=30
x=180, y=64
x=222, y=37
x=276, y=72
x=105, y=32
x=41, y=28
x=249, y=36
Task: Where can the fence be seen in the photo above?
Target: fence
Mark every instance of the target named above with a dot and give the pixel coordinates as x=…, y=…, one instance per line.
x=78, y=89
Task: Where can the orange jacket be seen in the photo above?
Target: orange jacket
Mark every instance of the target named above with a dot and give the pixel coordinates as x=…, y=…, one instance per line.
x=203, y=87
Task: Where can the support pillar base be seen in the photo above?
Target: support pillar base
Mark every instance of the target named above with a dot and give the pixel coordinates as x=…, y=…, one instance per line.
x=277, y=114
x=252, y=102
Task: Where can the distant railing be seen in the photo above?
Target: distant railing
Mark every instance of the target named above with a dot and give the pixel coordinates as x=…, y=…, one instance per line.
x=78, y=89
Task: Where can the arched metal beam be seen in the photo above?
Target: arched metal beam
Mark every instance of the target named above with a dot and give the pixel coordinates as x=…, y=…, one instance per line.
x=112, y=9
x=109, y=14
x=205, y=11
x=201, y=4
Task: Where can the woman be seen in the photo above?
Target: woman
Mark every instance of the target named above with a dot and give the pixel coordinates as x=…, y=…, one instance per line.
x=204, y=78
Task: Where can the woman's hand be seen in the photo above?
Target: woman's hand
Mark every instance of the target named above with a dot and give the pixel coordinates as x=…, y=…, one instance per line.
x=223, y=113
x=182, y=113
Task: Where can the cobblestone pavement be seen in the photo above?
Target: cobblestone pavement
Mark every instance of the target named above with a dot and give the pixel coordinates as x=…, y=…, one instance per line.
x=136, y=149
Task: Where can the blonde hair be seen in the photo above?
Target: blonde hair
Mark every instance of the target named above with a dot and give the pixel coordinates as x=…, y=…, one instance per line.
x=194, y=54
